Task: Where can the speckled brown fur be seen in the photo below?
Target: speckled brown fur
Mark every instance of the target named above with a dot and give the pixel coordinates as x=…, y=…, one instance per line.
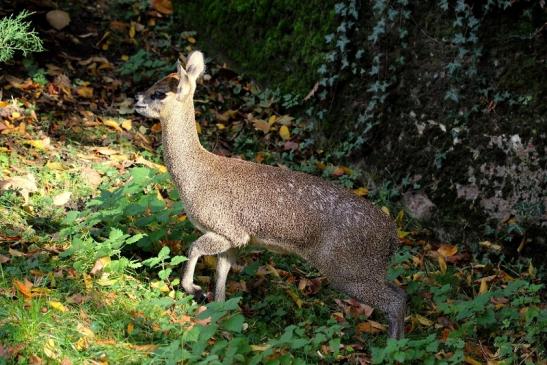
x=235, y=203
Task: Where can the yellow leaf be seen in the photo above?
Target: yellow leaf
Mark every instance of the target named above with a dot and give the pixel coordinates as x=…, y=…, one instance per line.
x=386, y=211
x=160, y=285
x=423, y=320
x=85, y=91
x=58, y=306
x=401, y=233
x=112, y=124
x=400, y=218
x=55, y=166
x=105, y=281
x=127, y=124
x=272, y=119
x=442, y=264
x=294, y=296
x=124, y=57
x=50, y=349
x=40, y=144
x=260, y=348
x=284, y=133
x=82, y=344
x=85, y=331
x=447, y=250
x=220, y=126
x=132, y=30
x=198, y=127
x=88, y=282
x=15, y=115
x=362, y=191
x=130, y=328
x=469, y=360
x=484, y=286
x=15, y=253
x=191, y=39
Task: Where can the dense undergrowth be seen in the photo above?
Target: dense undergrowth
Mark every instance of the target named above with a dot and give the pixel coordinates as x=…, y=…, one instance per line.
x=93, y=236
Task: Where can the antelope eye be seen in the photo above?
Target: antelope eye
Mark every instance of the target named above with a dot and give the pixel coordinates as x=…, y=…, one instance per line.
x=158, y=95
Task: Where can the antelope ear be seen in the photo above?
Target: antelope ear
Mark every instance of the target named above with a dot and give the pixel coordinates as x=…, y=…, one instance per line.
x=195, y=65
x=185, y=86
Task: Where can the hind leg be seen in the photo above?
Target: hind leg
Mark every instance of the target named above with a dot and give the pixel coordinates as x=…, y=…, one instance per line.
x=381, y=295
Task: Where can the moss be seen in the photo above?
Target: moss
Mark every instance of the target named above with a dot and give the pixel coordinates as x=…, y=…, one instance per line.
x=277, y=42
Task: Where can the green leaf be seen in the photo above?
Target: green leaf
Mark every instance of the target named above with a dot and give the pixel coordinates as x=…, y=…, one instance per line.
x=234, y=323
x=178, y=259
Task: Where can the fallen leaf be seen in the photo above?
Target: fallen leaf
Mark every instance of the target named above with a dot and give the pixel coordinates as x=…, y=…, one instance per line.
x=100, y=264
x=85, y=331
x=112, y=124
x=127, y=124
x=141, y=160
x=484, y=286
x=4, y=259
x=442, y=264
x=469, y=360
x=40, y=144
x=57, y=166
x=362, y=191
x=58, y=19
x=370, y=327
x=91, y=177
x=58, y=306
x=144, y=348
x=50, y=349
x=423, y=320
x=23, y=287
x=156, y=128
x=130, y=328
x=163, y=6
x=85, y=91
x=15, y=253
x=447, y=250
x=284, y=133
x=61, y=199
x=261, y=125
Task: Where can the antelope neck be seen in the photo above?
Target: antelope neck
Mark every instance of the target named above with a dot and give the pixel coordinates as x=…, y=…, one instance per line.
x=183, y=153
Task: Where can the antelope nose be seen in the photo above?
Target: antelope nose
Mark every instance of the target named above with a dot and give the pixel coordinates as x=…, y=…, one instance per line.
x=139, y=100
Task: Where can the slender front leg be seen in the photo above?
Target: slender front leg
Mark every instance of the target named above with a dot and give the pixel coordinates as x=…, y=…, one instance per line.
x=208, y=244
x=225, y=262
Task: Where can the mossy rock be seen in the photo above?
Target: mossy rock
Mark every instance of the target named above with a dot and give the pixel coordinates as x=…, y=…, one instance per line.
x=279, y=43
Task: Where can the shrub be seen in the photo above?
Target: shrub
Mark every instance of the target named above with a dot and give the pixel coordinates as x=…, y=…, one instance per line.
x=15, y=35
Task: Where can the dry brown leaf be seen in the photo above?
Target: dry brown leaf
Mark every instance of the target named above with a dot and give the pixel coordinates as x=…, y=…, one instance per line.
x=447, y=250
x=261, y=125
x=24, y=287
x=85, y=91
x=484, y=286
x=370, y=327
x=163, y=6
x=156, y=128
x=442, y=264
x=91, y=177
x=15, y=253
x=40, y=144
x=423, y=320
x=127, y=124
x=61, y=199
x=100, y=264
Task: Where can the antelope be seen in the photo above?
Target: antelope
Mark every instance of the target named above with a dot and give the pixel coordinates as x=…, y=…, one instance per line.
x=235, y=203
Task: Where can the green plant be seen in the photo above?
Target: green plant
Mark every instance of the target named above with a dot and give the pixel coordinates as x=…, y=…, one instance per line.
x=15, y=35
x=143, y=65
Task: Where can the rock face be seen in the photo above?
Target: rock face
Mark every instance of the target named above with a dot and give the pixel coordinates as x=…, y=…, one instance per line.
x=418, y=206
x=466, y=113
